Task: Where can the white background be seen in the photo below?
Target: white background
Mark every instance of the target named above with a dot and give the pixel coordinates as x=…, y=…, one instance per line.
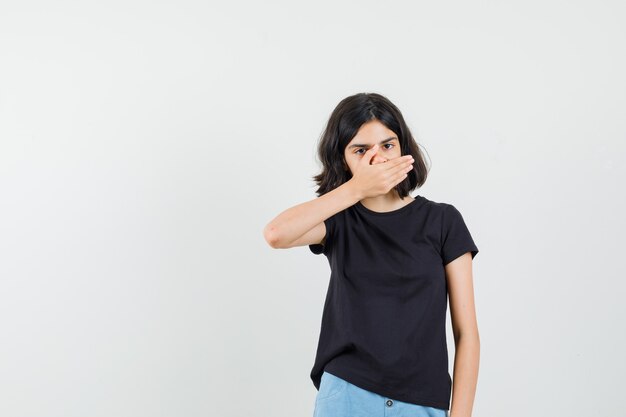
x=145, y=145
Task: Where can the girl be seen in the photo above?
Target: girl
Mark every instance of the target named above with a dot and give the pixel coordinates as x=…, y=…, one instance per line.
x=394, y=260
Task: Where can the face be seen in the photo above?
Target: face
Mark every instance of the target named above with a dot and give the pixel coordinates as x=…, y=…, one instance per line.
x=369, y=134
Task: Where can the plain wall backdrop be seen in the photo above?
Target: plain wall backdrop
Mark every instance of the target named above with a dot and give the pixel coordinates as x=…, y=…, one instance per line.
x=145, y=145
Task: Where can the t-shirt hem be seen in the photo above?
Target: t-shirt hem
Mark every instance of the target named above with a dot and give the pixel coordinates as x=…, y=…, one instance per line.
x=366, y=385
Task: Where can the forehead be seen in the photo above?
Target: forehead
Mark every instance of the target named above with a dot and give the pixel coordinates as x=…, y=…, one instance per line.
x=371, y=133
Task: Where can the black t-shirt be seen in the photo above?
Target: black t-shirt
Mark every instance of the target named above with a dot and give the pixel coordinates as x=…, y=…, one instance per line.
x=383, y=325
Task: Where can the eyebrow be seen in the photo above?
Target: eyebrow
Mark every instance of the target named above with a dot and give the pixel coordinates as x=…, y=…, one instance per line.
x=382, y=142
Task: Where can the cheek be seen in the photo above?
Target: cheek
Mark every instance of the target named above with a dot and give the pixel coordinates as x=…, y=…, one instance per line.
x=351, y=164
x=395, y=151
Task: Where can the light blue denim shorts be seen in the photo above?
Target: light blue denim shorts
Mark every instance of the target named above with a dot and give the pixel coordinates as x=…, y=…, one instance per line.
x=339, y=398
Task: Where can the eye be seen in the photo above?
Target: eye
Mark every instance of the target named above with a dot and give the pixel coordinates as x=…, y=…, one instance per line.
x=390, y=145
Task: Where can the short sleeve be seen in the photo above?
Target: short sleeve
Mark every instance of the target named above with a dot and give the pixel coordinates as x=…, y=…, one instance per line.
x=455, y=236
x=319, y=248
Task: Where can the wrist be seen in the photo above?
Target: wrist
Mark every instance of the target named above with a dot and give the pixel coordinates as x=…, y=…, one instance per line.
x=353, y=192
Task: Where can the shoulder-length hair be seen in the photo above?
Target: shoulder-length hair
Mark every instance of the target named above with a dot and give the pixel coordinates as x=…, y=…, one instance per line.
x=344, y=122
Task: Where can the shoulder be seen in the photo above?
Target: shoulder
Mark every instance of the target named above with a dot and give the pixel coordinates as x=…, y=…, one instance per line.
x=442, y=214
x=437, y=206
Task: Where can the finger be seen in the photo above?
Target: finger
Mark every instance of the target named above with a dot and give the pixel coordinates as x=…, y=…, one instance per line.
x=399, y=177
x=400, y=162
x=402, y=171
x=367, y=156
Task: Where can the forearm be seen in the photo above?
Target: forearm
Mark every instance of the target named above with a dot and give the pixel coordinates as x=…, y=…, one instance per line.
x=466, y=362
x=294, y=222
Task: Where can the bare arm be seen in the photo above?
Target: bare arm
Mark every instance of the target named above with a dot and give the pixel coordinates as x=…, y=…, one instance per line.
x=466, y=338
x=286, y=228
x=304, y=223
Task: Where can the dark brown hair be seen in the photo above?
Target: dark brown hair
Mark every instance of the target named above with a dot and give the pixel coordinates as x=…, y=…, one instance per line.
x=342, y=127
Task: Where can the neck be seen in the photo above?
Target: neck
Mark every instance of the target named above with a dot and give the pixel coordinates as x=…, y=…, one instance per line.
x=386, y=202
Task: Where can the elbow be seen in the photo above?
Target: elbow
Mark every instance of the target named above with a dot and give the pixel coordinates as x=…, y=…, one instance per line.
x=468, y=336
x=271, y=236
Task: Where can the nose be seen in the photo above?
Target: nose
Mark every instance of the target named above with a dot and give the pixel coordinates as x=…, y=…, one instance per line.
x=378, y=159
